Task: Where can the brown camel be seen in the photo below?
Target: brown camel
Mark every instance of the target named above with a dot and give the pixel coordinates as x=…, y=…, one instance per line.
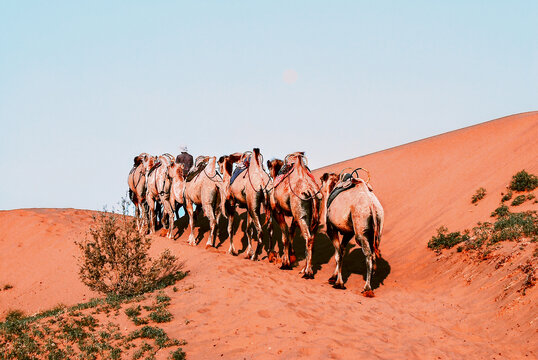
x=158, y=191
x=352, y=212
x=296, y=193
x=204, y=190
x=246, y=191
x=137, y=186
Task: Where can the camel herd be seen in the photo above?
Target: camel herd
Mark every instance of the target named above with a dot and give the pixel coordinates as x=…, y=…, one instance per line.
x=342, y=207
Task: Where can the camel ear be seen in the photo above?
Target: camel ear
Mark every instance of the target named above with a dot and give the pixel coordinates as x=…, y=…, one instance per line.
x=324, y=177
x=221, y=159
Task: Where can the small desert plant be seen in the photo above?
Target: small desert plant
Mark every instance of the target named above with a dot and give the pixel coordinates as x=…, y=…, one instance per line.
x=446, y=240
x=115, y=258
x=479, y=195
x=178, y=355
x=506, y=196
x=523, y=181
x=161, y=315
x=520, y=199
x=500, y=211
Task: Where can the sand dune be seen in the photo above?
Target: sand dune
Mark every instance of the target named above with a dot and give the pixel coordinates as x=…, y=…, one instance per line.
x=426, y=306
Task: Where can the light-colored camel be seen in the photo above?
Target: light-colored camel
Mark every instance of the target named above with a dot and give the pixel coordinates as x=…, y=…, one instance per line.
x=204, y=190
x=296, y=194
x=247, y=191
x=137, y=187
x=158, y=191
x=354, y=212
x=177, y=189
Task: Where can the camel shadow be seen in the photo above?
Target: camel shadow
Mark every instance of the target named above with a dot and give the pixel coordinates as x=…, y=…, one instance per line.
x=355, y=263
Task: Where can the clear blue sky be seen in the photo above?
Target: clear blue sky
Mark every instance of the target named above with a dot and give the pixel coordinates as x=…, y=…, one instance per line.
x=85, y=86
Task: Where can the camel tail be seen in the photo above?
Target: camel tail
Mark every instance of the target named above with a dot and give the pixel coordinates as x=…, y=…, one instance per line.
x=378, y=227
x=315, y=214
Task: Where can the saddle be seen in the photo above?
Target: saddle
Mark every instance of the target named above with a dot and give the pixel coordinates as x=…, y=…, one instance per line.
x=238, y=171
x=284, y=170
x=196, y=171
x=348, y=182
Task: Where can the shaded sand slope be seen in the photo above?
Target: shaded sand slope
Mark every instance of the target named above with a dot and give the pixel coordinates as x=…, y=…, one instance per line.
x=426, y=306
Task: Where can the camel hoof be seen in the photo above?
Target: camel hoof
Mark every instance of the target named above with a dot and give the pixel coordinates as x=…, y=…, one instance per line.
x=285, y=266
x=339, y=286
x=368, y=293
x=272, y=256
x=332, y=279
x=308, y=276
x=207, y=246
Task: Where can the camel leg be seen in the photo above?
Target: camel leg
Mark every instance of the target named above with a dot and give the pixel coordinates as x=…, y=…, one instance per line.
x=307, y=271
x=144, y=220
x=279, y=217
x=271, y=250
x=231, y=215
x=363, y=242
x=339, y=257
x=190, y=212
x=152, y=215
x=332, y=233
x=210, y=213
x=258, y=229
x=249, y=252
x=169, y=211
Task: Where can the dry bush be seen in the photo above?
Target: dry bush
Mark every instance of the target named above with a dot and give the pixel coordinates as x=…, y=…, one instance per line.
x=115, y=258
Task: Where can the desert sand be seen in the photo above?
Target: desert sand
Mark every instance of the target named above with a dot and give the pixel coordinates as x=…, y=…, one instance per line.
x=427, y=306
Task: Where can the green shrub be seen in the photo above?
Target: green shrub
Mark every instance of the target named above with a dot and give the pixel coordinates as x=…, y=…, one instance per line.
x=178, y=355
x=523, y=181
x=479, y=195
x=115, y=258
x=161, y=315
x=500, y=211
x=446, y=240
x=520, y=199
x=507, y=196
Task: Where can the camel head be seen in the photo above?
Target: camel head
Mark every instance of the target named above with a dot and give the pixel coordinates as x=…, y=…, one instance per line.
x=274, y=166
x=143, y=159
x=226, y=162
x=328, y=182
x=296, y=158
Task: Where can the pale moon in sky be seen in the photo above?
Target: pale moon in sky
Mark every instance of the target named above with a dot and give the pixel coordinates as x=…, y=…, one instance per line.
x=289, y=76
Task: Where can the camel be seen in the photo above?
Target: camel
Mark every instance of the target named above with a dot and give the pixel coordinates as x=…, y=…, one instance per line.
x=158, y=191
x=205, y=190
x=246, y=191
x=353, y=212
x=137, y=186
x=296, y=194
x=177, y=189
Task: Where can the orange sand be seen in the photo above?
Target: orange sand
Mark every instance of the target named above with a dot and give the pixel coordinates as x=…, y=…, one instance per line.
x=427, y=306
